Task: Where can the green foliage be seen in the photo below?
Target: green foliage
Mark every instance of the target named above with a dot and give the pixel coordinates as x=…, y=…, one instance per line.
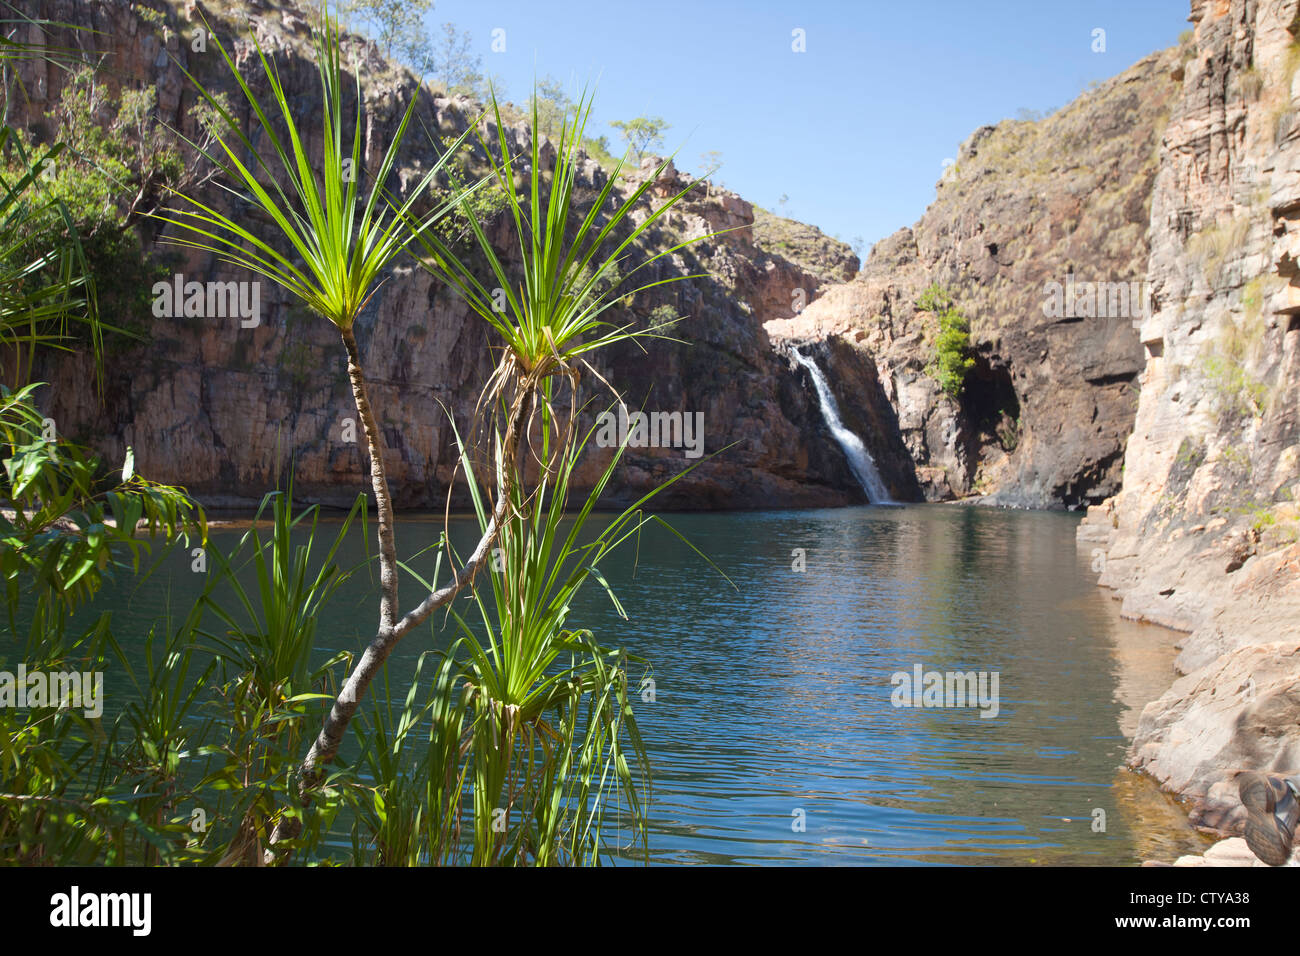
x=343, y=250
x=410, y=815
x=47, y=259
x=599, y=150
x=481, y=204
x=211, y=722
x=1238, y=459
x=663, y=316
x=951, y=359
x=397, y=26
x=1262, y=517
x=1236, y=393
x=934, y=299
x=642, y=134
x=111, y=173
x=130, y=156
x=71, y=523
x=568, y=261
x=69, y=792
x=550, y=107
x=270, y=633
x=51, y=808
x=1264, y=514
x=552, y=735
x=44, y=282
x=270, y=681
x=527, y=681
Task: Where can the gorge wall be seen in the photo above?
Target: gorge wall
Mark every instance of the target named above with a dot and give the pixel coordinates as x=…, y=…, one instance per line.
x=224, y=410
x=1202, y=535
x=1041, y=423
x=1046, y=409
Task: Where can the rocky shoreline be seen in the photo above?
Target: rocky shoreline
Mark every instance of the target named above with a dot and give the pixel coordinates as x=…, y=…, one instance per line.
x=1202, y=535
x=1231, y=852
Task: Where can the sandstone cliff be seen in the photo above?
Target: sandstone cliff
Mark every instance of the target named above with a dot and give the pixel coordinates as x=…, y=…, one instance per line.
x=1046, y=410
x=1202, y=535
x=223, y=409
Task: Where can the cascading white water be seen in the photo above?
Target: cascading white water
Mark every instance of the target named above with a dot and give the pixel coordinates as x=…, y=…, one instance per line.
x=860, y=460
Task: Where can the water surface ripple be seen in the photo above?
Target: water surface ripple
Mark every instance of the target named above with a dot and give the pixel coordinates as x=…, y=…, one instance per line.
x=772, y=699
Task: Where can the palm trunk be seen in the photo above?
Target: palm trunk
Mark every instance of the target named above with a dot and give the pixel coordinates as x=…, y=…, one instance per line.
x=379, y=480
x=391, y=630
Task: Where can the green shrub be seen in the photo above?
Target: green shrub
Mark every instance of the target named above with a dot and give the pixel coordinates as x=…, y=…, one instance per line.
x=598, y=149
x=118, y=165
x=951, y=360
x=1235, y=392
x=1237, y=395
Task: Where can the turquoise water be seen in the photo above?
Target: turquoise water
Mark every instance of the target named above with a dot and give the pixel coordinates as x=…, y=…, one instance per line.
x=772, y=734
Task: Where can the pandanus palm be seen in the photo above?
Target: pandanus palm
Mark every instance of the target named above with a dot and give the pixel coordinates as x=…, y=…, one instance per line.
x=571, y=261
x=551, y=733
x=337, y=243
x=553, y=741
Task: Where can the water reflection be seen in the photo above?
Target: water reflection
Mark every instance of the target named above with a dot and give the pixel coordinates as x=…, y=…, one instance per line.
x=773, y=697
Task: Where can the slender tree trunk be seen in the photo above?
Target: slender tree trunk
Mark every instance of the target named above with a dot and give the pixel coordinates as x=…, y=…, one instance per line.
x=391, y=630
x=326, y=745
x=379, y=480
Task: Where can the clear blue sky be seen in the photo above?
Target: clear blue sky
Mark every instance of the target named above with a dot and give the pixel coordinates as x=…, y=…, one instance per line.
x=855, y=130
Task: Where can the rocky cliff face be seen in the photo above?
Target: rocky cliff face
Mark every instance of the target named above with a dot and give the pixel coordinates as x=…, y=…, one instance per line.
x=1202, y=535
x=228, y=411
x=1027, y=204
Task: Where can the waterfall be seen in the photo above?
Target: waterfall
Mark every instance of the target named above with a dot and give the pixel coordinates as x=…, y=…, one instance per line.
x=860, y=460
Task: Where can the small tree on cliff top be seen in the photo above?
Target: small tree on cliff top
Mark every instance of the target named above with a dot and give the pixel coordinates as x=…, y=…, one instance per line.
x=398, y=28
x=642, y=134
